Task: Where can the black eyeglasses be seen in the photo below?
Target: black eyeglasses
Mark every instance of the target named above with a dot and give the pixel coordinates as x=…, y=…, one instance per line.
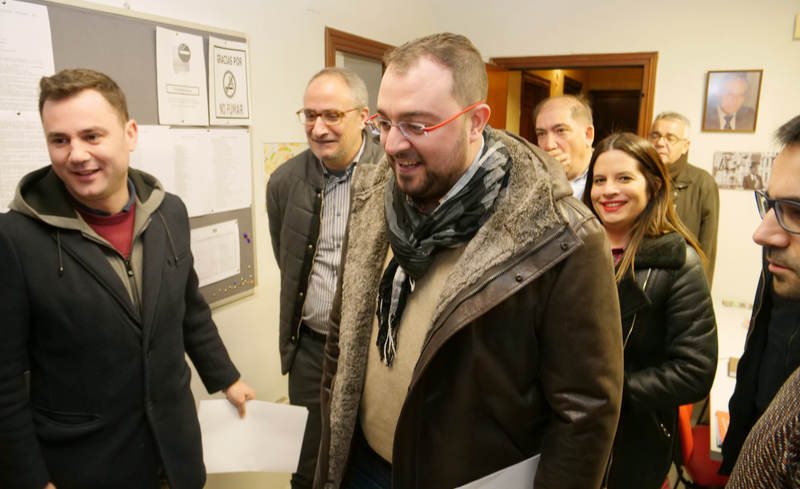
x=331, y=117
x=787, y=211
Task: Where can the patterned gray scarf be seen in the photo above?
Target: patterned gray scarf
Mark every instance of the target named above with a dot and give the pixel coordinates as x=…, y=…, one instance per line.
x=416, y=237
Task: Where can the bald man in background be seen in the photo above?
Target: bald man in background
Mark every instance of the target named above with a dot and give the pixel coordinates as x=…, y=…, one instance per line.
x=564, y=128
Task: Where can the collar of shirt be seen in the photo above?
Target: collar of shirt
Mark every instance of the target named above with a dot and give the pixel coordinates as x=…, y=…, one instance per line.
x=581, y=179
x=84, y=208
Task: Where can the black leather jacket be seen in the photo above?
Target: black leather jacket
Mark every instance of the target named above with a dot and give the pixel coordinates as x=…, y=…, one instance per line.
x=670, y=339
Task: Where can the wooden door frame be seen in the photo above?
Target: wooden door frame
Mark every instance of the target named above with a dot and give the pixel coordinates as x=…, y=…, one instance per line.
x=336, y=40
x=648, y=61
x=536, y=79
x=532, y=79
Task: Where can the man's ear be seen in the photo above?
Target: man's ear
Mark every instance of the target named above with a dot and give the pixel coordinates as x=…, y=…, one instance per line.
x=589, y=135
x=479, y=117
x=686, y=143
x=363, y=114
x=131, y=134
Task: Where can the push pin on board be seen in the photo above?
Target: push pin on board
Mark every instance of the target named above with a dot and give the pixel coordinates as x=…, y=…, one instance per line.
x=246, y=237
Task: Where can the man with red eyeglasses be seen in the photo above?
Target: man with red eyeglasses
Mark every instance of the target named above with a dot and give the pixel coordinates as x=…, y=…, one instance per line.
x=308, y=199
x=475, y=325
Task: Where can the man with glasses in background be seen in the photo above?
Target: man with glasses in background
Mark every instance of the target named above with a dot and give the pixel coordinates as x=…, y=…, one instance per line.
x=308, y=201
x=694, y=191
x=772, y=351
x=475, y=324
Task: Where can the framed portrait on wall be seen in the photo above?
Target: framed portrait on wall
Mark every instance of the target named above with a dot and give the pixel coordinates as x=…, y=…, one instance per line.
x=731, y=101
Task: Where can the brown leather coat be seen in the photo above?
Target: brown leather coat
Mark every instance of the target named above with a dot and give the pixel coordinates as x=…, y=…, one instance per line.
x=524, y=354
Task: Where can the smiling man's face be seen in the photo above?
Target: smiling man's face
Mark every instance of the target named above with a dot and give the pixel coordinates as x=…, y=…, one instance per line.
x=89, y=146
x=335, y=145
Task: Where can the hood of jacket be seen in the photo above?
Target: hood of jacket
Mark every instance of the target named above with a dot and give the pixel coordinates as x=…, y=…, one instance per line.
x=665, y=251
x=41, y=195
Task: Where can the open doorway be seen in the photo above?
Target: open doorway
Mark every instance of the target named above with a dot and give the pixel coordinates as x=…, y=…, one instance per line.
x=360, y=54
x=620, y=88
x=533, y=89
x=613, y=93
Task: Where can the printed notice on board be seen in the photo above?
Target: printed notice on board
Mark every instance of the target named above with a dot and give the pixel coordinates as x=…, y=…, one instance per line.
x=208, y=168
x=216, y=252
x=181, y=79
x=228, y=77
x=22, y=150
x=26, y=55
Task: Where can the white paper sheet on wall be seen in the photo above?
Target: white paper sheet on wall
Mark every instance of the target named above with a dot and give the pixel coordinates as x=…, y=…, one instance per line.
x=181, y=78
x=216, y=251
x=26, y=55
x=228, y=81
x=22, y=150
x=208, y=168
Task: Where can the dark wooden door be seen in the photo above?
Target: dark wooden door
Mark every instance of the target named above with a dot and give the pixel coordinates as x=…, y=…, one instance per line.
x=614, y=111
x=572, y=86
x=534, y=90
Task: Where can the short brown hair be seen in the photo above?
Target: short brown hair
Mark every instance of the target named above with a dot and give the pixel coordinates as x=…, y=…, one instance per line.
x=67, y=83
x=453, y=51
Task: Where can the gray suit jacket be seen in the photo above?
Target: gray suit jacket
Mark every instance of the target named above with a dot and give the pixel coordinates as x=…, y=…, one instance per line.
x=745, y=119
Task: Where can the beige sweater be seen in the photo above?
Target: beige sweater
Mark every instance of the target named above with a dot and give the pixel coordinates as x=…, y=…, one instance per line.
x=385, y=387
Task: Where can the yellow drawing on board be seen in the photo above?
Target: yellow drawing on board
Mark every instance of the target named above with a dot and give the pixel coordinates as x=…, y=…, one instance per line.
x=276, y=154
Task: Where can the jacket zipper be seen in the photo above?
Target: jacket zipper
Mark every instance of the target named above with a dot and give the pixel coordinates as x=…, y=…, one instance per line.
x=137, y=301
x=311, y=268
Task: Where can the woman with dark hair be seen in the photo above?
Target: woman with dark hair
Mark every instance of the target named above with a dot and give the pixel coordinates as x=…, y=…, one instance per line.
x=668, y=327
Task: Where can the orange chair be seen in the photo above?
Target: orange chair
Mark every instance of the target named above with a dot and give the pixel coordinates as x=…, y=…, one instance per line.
x=695, y=446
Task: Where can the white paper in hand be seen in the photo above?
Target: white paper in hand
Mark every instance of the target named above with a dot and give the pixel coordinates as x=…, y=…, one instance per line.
x=517, y=476
x=267, y=440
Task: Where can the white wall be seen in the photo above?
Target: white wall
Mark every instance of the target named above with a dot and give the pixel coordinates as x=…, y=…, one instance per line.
x=691, y=38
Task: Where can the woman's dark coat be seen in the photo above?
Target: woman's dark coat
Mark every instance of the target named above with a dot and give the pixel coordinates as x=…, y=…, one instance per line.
x=670, y=338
